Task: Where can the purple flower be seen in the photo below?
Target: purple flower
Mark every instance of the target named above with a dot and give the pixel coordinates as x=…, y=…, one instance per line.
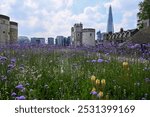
x=147, y=80
x=3, y=58
x=107, y=61
x=20, y=86
x=13, y=60
x=22, y=65
x=10, y=66
x=106, y=54
x=100, y=60
x=146, y=69
x=8, y=71
x=93, y=93
x=13, y=94
x=20, y=98
x=3, y=78
x=93, y=61
x=21, y=68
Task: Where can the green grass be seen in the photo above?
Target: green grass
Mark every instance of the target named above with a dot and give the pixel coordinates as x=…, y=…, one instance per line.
x=65, y=75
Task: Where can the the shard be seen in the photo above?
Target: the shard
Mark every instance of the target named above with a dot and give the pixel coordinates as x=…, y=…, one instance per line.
x=110, y=25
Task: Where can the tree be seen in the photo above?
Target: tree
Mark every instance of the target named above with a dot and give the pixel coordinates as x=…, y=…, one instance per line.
x=144, y=8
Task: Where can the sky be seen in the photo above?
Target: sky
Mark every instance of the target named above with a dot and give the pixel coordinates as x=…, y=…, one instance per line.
x=51, y=18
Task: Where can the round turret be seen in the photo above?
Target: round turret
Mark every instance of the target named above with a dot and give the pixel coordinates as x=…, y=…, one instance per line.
x=13, y=32
x=4, y=29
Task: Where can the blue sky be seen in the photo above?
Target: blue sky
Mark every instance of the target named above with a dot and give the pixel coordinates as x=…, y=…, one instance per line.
x=49, y=18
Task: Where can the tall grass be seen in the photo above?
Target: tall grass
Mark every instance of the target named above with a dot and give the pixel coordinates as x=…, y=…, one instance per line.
x=52, y=73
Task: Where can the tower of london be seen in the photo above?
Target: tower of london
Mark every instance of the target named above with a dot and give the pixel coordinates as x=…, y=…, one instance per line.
x=8, y=30
x=82, y=36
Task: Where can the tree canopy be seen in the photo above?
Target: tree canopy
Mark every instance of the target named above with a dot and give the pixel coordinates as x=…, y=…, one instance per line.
x=144, y=8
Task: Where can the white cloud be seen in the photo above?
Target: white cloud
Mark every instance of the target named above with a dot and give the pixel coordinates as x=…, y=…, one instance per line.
x=128, y=18
x=55, y=17
x=122, y=4
x=60, y=22
x=91, y=17
x=33, y=4
x=114, y=3
x=62, y=3
x=5, y=6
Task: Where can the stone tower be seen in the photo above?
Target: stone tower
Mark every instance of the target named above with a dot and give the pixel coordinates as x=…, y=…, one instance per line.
x=4, y=29
x=13, y=32
x=76, y=34
x=88, y=37
x=8, y=30
x=110, y=25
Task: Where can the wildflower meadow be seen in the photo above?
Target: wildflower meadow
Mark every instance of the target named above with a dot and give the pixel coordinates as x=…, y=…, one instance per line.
x=53, y=73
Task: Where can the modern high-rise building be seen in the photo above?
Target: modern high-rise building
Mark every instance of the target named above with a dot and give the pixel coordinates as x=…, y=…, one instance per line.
x=59, y=40
x=99, y=35
x=37, y=41
x=110, y=25
x=22, y=40
x=51, y=41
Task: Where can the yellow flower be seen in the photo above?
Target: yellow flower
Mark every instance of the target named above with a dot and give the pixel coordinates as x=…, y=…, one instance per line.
x=103, y=82
x=97, y=82
x=93, y=89
x=93, y=78
x=100, y=94
x=125, y=65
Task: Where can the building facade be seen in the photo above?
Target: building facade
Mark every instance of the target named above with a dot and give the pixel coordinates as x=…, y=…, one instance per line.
x=99, y=35
x=67, y=41
x=8, y=30
x=13, y=32
x=121, y=36
x=37, y=41
x=88, y=37
x=59, y=41
x=76, y=34
x=23, y=40
x=82, y=37
x=143, y=23
x=51, y=41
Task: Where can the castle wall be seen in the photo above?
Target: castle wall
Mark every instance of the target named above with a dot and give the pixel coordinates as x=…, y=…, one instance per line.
x=4, y=29
x=8, y=30
x=88, y=37
x=13, y=32
x=76, y=33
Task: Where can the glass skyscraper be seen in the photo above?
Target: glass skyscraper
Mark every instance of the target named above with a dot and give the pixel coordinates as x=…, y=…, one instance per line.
x=110, y=25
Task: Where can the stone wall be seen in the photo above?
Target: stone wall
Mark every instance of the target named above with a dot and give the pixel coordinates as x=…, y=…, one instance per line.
x=4, y=29
x=82, y=37
x=8, y=30
x=88, y=37
x=13, y=32
x=76, y=34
